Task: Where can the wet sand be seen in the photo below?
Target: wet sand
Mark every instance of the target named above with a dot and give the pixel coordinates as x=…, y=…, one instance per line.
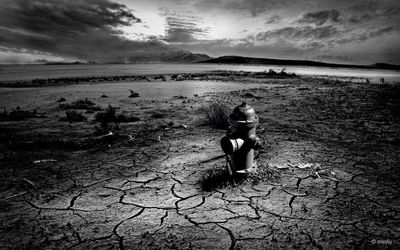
x=334, y=145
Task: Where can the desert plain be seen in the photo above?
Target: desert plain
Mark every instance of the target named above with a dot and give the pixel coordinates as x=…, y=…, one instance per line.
x=149, y=172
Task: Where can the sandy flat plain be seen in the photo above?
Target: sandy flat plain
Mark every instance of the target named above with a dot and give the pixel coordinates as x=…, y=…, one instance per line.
x=332, y=146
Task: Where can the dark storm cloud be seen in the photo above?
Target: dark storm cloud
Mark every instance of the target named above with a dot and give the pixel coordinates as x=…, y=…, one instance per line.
x=254, y=7
x=183, y=29
x=320, y=17
x=366, y=5
x=365, y=11
x=394, y=11
x=382, y=31
x=364, y=36
x=55, y=17
x=273, y=19
x=299, y=33
x=359, y=18
x=73, y=28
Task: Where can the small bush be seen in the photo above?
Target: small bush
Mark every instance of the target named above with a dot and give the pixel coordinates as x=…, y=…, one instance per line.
x=81, y=104
x=104, y=127
x=133, y=94
x=219, y=178
x=73, y=116
x=110, y=115
x=179, y=97
x=17, y=115
x=157, y=115
x=216, y=116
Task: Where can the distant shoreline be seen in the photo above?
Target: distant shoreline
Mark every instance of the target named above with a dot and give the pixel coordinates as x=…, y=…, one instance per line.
x=212, y=61
x=222, y=75
x=50, y=75
x=280, y=62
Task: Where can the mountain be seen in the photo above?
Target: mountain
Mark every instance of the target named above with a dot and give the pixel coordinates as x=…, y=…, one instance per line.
x=182, y=56
x=268, y=61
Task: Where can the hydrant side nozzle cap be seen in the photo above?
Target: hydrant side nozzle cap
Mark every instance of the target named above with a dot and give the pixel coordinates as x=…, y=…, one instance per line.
x=244, y=113
x=226, y=145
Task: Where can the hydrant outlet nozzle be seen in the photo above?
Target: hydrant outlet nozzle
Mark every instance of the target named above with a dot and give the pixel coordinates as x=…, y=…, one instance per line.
x=230, y=146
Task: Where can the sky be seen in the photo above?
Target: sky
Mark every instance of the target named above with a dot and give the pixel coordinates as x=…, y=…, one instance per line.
x=339, y=31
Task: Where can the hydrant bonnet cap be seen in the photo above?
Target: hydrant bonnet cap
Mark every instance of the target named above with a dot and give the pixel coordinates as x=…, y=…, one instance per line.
x=243, y=113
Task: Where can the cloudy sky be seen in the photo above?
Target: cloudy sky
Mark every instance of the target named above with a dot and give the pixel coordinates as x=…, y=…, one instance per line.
x=342, y=31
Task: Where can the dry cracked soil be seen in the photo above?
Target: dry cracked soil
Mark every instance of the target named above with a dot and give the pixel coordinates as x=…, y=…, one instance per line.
x=333, y=147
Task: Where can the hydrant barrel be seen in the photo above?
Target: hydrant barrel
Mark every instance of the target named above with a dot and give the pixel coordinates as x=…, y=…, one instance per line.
x=241, y=138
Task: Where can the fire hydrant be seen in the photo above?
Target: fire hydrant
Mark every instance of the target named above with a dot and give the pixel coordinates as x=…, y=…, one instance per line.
x=241, y=140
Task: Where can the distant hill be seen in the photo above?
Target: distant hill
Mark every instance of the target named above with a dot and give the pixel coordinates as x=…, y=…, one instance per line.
x=268, y=61
x=168, y=56
x=182, y=56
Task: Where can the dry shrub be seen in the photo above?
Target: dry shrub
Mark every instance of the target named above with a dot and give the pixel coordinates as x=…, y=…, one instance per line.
x=105, y=127
x=81, y=104
x=157, y=115
x=73, y=116
x=216, y=116
x=217, y=178
x=133, y=94
x=17, y=115
x=110, y=115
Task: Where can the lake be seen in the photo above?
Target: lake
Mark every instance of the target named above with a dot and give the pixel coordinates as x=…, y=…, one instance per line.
x=29, y=72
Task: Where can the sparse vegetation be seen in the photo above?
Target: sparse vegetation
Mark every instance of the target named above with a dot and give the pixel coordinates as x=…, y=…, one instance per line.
x=110, y=115
x=109, y=120
x=73, y=116
x=81, y=104
x=17, y=115
x=157, y=115
x=105, y=127
x=179, y=97
x=216, y=116
x=133, y=94
x=217, y=178
x=250, y=95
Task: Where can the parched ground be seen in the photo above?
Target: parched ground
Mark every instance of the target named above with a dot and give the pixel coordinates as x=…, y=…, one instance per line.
x=333, y=147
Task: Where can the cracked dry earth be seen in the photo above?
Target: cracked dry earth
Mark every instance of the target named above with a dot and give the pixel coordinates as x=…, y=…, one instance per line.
x=335, y=148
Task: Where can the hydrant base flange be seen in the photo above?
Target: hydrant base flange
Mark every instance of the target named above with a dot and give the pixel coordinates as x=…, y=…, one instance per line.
x=253, y=169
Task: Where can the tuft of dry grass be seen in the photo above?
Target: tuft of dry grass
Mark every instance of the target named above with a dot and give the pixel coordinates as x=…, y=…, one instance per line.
x=18, y=115
x=110, y=115
x=73, y=116
x=216, y=115
x=105, y=127
x=217, y=178
x=81, y=104
x=157, y=115
x=133, y=94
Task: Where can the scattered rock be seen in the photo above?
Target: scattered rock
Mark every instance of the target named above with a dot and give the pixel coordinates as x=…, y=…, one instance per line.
x=133, y=94
x=250, y=95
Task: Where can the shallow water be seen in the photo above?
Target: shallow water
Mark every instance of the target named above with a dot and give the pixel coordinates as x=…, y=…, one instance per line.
x=29, y=72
